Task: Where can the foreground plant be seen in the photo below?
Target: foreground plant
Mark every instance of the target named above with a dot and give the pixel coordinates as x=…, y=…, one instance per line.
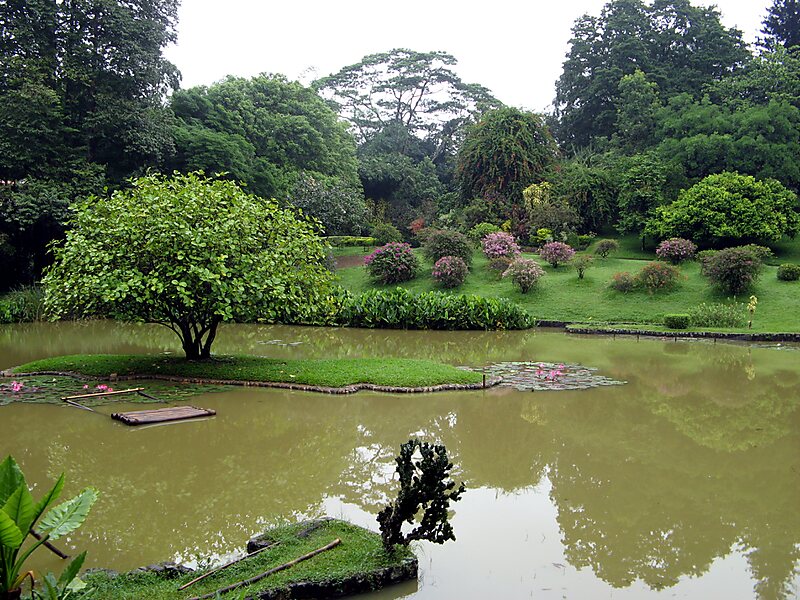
x=425, y=486
x=20, y=516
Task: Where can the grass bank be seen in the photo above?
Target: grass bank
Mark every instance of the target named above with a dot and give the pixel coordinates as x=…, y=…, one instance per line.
x=561, y=296
x=359, y=556
x=408, y=373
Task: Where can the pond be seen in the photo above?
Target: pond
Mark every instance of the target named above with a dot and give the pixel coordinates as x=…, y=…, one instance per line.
x=683, y=482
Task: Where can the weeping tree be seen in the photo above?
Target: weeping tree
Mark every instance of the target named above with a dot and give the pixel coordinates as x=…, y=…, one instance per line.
x=186, y=252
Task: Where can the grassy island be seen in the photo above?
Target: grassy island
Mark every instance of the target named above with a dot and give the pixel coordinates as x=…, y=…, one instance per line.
x=329, y=373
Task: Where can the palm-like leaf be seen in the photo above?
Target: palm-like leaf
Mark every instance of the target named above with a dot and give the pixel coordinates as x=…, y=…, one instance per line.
x=69, y=515
x=11, y=478
x=19, y=507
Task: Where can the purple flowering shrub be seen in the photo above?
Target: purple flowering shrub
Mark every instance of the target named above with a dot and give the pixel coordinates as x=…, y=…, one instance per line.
x=556, y=253
x=499, y=244
x=392, y=263
x=676, y=250
x=524, y=272
x=450, y=271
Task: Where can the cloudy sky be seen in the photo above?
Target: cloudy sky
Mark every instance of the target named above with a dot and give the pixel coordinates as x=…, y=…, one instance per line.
x=514, y=48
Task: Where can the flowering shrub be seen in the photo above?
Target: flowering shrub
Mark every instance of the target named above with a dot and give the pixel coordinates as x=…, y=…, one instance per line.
x=733, y=270
x=500, y=244
x=623, y=282
x=676, y=250
x=606, y=247
x=445, y=242
x=524, y=272
x=450, y=271
x=392, y=263
x=556, y=253
x=416, y=225
x=656, y=276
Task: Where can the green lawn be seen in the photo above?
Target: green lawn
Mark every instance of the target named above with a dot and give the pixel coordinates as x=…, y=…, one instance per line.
x=328, y=373
x=561, y=296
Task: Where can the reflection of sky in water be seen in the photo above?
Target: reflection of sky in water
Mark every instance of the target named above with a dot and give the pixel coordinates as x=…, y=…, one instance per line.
x=686, y=478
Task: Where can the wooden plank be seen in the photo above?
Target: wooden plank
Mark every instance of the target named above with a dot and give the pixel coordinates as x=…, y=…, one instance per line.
x=96, y=394
x=161, y=415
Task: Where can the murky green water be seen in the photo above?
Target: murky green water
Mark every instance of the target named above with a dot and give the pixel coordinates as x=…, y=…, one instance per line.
x=685, y=482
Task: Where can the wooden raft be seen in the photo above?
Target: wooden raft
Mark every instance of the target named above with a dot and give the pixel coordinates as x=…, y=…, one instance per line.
x=162, y=415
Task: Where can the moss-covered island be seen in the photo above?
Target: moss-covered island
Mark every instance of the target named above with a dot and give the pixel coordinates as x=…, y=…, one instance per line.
x=348, y=374
x=357, y=564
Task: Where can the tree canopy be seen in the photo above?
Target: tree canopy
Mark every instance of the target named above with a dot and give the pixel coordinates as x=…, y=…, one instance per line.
x=782, y=24
x=186, y=252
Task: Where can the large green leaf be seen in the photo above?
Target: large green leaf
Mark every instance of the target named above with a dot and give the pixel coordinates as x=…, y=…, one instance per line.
x=69, y=515
x=72, y=570
x=50, y=497
x=10, y=535
x=19, y=507
x=11, y=478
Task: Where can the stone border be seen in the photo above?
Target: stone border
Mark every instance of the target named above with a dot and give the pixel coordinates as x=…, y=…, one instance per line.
x=347, y=389
x=677, y=333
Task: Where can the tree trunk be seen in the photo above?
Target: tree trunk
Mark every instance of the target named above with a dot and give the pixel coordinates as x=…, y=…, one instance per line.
x=12, y=594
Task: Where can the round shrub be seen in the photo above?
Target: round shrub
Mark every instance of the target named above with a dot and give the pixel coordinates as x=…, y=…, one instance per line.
x=678, y=321
x=392, y=263
x=789, y=272
x=385, y=233
x=445, y=242
x=556, y=253
x=524, y=272
x=481, y=230
x=676, y=250
x=733, y=270
x=500, y=244
x=606, y=247
x=623, y=282
x=657, y=277
x=450, y=271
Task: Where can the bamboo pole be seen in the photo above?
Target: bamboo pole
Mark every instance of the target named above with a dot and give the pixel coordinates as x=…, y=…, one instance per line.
x=78, y=405
x=96, y=394
x=261, y=576
x=225, y=566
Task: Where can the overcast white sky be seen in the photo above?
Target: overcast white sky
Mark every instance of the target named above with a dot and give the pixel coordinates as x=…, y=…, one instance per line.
x=513, y=47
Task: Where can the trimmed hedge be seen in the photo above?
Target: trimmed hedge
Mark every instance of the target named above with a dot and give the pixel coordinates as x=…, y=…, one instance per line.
x=677, y=321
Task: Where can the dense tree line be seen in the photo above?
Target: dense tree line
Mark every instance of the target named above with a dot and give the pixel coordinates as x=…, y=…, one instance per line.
x=654, y=97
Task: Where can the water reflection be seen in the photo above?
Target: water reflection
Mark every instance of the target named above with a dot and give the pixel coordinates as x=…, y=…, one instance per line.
x=649, y=484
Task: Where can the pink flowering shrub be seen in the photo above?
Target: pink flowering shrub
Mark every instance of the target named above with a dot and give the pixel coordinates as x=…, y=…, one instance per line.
x=450, y=271
x=500, y=244
x=656, y=276
x=524, y=272
x=676, y=250
x=556, y=253
x=392, y=263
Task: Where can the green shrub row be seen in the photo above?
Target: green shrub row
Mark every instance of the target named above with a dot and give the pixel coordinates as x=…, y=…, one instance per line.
x=677, y=321
x=350, y=240
x=402, y=309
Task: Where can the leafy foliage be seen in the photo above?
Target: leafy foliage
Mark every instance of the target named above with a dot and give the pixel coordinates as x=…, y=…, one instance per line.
x=623, y=282
x=450, y=271
x=525, y=273
x=606, y=247
x=401, y=309
x=733, y=270
x=582, y=262
x=481, y=230
x=556, y=253
x=782, y=24
x=718, y=315
x=186, y=252
x=385, y=233
x=676, y=250
x=789, y=272
x=500, y=244
x=657, y=277
x=677, y=321
x=425, y=485
x=394, y=262
x=443, y=242
x=729, y=207
x=337, y=205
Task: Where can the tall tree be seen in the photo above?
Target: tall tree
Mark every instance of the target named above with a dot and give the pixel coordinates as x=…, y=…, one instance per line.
x=782, y=24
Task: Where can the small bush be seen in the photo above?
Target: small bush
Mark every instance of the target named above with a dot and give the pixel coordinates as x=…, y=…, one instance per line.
x=556, y=253
x=657, y=277
x=445, y=242
x=762, y=253
x=606, y=247
x=733, y=270
x=676, y=250
x=789, y=272
x=481, y=230
x=718, y=315
x=392, y=263
x=703, y=257
x=500, y=244
x=541, y=236
x=680, y=321
x=584, y=240
x=623, y=282
x=450, y=271
x=500, y=264
x=524, y=272
x=581, y=263
x=401, y=309
x=386, y=233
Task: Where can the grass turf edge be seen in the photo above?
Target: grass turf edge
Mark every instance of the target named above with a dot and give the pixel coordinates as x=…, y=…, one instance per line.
x=325, y=374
